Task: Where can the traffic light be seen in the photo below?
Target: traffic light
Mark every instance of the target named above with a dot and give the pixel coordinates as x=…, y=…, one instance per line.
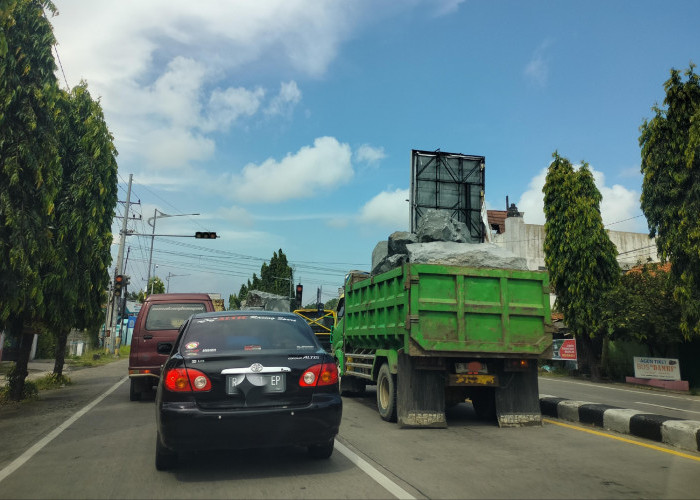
x=300, y=288
x=118, y=284
x=205, y=235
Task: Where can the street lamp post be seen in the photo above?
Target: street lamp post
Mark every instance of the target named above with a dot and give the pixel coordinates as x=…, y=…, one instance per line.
x=155, y=266
x=157, y=213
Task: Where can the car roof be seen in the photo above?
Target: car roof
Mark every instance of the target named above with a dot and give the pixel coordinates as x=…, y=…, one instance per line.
x=251, y=312
x=169, y=297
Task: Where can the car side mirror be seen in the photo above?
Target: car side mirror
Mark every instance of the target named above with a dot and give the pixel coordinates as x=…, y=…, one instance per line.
x=165, y=347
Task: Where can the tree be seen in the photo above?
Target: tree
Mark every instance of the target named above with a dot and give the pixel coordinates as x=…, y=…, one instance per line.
x=579, y=255
x=332, y=304
x=275, y=277
x=641, y=308
x=155, y=285
x=84, y=211
x=670, y=144
x=30, y=172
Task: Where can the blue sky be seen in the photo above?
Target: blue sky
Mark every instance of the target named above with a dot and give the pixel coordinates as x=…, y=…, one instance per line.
x=289, y=124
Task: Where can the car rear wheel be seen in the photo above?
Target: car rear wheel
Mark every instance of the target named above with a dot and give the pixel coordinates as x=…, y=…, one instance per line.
x=134, y=391
x=165, y=459
x=322, y=450
x=386, y=394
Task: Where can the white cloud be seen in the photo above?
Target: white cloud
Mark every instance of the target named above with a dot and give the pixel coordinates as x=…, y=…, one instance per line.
x=323, y=166
x=236, y=215
x=157, y=64
x=619, y=207
x=537, y=69
x=284, y=102
x=369, y=154
x=387, y=209
x=175, y=149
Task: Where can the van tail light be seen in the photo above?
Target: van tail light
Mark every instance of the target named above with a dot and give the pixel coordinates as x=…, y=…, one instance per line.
x=318, y=375
x=184, y=380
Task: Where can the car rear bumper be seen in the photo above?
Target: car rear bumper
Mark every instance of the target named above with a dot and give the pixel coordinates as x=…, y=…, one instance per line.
x=185, y=427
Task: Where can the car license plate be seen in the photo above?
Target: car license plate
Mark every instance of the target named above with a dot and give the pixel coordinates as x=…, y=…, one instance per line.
x=270, y=382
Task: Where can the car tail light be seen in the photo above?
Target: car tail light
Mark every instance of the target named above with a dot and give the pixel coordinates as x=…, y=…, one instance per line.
x=184, y=380
x=317, y=375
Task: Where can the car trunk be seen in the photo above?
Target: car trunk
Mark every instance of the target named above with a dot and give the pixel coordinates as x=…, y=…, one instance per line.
x=254, y=379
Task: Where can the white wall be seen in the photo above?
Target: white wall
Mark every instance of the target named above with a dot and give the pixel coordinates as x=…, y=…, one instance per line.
x=527, y=240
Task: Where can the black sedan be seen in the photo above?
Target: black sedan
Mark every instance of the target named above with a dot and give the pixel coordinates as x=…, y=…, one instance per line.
x=246, y=379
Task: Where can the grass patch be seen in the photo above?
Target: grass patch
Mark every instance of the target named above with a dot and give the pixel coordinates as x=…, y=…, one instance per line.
x=51, y=381
x=98, y=357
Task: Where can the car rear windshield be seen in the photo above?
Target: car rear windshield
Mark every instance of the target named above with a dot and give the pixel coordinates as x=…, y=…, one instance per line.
x=247, y=333
x=171, y=316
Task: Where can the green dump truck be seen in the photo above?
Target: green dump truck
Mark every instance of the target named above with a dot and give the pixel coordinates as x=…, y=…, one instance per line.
x=431, y=336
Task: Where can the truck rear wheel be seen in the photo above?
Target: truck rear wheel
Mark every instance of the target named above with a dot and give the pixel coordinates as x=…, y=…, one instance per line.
x=386, y=394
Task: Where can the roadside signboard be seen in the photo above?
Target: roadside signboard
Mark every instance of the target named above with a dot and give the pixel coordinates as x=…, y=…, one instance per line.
x=564, y=349
x=657, y=368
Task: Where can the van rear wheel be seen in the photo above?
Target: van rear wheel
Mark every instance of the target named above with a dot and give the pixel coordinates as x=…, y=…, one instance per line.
x=134, y=391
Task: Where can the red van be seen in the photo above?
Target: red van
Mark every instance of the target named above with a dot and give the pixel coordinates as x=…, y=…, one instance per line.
x=159, y=320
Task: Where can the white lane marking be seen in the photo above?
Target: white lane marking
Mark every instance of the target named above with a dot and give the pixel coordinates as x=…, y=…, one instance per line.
x=695, y=400
x=380, y=478
x=24, y=457
x=667, y=407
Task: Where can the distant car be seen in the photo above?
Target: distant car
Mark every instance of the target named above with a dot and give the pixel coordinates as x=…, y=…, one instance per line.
x=159, y=320
x=246, y=379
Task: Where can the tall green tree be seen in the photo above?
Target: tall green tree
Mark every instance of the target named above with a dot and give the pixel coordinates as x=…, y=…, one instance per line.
x=579, y=255
x=30, y=172
x=84, y=212
x=275, y=277
x=670, y=147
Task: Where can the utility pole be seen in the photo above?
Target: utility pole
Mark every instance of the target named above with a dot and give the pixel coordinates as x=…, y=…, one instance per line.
x=112, y=342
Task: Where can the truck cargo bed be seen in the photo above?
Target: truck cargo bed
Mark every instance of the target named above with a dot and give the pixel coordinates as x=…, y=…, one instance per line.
x=428, y=309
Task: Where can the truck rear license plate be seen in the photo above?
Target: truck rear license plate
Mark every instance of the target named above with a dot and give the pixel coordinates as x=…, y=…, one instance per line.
x=464, y=379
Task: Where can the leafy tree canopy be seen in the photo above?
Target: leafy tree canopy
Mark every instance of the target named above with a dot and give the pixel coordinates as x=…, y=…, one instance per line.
x=641, y=308
x=670, y=149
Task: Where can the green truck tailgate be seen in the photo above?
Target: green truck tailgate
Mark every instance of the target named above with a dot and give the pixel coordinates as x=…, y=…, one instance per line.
x=440, y=308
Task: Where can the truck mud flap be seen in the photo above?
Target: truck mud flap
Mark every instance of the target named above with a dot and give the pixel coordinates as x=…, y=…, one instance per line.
x=517, y=399
x=420, y=400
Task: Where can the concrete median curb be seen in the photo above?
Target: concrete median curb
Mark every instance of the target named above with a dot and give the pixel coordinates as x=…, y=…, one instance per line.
x=683, y=434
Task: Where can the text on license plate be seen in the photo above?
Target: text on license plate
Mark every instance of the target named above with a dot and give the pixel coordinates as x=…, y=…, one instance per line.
x=270, y=382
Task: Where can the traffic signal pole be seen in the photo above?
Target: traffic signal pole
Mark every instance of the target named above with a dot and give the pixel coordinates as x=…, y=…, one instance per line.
x=112, y=341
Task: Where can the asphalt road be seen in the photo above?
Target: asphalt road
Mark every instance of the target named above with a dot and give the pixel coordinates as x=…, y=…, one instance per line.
x=655, y=401
x=104, y=448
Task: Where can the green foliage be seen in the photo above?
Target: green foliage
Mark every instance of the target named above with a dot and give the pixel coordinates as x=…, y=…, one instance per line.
x=670, y=145
x=641, y=308
x=579, y=255
x=332, y=304
x=45, y=346
x=155, y=285
x=29, y=389
x=275, y=277
x=52, y=381
x=30, y=168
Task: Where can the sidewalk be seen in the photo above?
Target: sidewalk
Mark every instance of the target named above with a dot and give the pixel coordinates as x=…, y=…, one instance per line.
x=37, y=369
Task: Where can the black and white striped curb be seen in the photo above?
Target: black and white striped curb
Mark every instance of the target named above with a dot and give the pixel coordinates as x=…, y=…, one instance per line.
x=673, y=431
